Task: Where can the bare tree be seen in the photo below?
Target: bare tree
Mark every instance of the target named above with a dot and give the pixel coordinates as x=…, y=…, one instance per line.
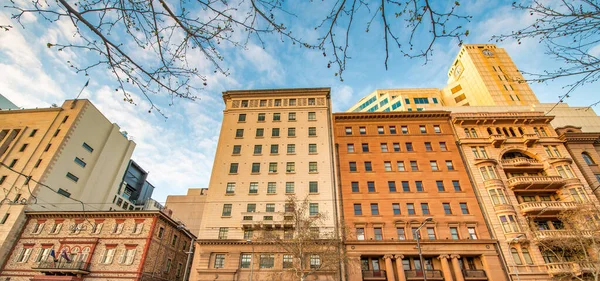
x=313, y=246
x=570, y=31
x=574, y=250
x=168, y=33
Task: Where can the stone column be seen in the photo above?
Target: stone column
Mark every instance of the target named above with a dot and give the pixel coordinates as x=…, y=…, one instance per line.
x=446, y=267
x=353, y=268
x=389, y=268
x=457, y=270
x=486, y=267
x=400, y=267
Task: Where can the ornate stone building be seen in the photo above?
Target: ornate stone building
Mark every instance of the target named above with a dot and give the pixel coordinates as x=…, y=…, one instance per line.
x=584, y=147
x=132, y=245
x=397, y=170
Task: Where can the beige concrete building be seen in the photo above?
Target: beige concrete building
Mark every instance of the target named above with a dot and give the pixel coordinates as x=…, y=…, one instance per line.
x=116, y=245
x=273, y=143
x=73, y=150
x=524, y=179
x=188, y=208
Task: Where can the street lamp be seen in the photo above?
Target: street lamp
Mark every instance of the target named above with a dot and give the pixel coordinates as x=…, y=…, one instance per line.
x=251, y=259
x=423, y=267
x=514, y=240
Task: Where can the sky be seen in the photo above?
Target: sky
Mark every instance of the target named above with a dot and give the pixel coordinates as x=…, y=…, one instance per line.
x=178, y=151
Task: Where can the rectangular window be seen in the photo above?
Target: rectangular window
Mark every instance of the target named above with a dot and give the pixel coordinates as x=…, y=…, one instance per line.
x=267, y=261
x=464, y=209
x=428, y=146
x=449, y=165
x=405, y=186
x=270, y=207
x=239, y=133
x=431, y=233
x=311, y=101
x=312, y=116
x=80, y=162
x=291, y=148
x=244, y=103
x=289, y=187
x=396, y=147
x=360, y=234
x=348, y=131
x=312, y=131
x=374, y=209
x=33, y=132
x=388, y=166
x=410, y=207
x=312, y=167
x=352, y=166
x=355, y=187
x=440, y=186
x=313, y=209
x=350, y=147
x=472, y=232
x=219, y=261
x=419, y=186
x=290, y=167
x=392, y=130
x=275, y=132
x=396, y=208
x=312, y=148
x=292, y=116
x=423, y=129
x=87, y=147
x=257, y=149
x=253, y=188
x=271, y=188
x=454, y=233
x=226, y=210
x=365, y=147
x=273, y=167
x=313, y=187
x=72, y=177
x=357, y=210
x=368, y=167
x=434, y=166
x=400, y=166
x=223, y=232
x=380, y=130
x=409, y=146
x=425, y=208
x=292, y=102
x=233, y=168
x=447, y=209
x=260, y=132
x=371, y=186
x=401, y=233
x=276, y=116
x=274, y=149
x=245, y=260
x=291, y=132
x=230, y=188
x=443, y=146
x=23, y=147
x=456, y=185
x=436, y=129
x=362, y=130
x=13, y=163
x=404, y=130
x=37, y=164
x=4, y=218
x=242, y=118
x=384, y=147
x=288, y=261
x=378, y=233
x=261, y=117
x=237, y=149
x=392, y=186
x=255, y=168
x=251, y=208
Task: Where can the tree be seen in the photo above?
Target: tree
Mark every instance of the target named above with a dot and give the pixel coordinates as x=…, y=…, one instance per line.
x=118, y=33
x=570, y=31
x=312, y=245
x=575, y=251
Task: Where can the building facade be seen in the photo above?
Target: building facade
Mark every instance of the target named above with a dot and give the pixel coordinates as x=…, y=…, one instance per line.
x=396, y=171
x=525, y=178
x=188, y=208
x=99, y=246
x=273, y=144
x=585, y=152
x=73, y=150
x=135, y=189
x=399, y=100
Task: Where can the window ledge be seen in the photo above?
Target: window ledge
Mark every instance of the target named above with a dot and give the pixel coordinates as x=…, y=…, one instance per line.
x=229, y=194
x=313, y=172
x=233, y=173
x=272, y=173
x=253, y=193
x=225, y=217
x=255, y=173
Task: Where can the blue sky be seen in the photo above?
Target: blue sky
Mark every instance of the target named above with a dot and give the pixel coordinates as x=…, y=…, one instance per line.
x=178, y=151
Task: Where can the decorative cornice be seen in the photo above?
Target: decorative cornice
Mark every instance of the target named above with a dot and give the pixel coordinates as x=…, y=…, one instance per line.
x=276, y=93
x=374, y=116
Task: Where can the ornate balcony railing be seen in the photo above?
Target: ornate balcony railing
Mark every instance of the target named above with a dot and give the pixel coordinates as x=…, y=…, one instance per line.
x=530, y=139
x=547, y=207
x=562, y=268
x=497, y=140
x=62, y=266
x=472, y=274
x=561, y=234
x=529, y=183
x=374, y=274
x=418, y=274
x=521, y=163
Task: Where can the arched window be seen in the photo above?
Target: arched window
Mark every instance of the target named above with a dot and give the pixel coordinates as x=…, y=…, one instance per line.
x=498, y=131
x=512, y=132
x=588, y=160
x=505, y=132
x=489, y=130
x=467, y=133
x=526, y=256
x=516, y=257
x=473, y=132
x=84, y=254
x=521, y=131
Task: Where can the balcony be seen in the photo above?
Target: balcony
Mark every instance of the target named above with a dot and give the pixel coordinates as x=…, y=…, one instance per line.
x=474, y=274
x=521, y=164
x=63, y=267
x=497, y=140
x=493, y=183
x=530, y=139
x=374, y=275
x=563, y=268
x=561, y=234
x=266, y=220
x=532, y=183
x=547, y=207
x=418, y=274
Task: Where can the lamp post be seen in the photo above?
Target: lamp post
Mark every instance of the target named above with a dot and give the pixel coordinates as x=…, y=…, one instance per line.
x=251, y=259
x=419, y=246
x=516, y=239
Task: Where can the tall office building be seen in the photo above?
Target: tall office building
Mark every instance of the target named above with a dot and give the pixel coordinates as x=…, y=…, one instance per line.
x=72, y=150
x=396, y=171
x=135, y=189
x=525, y=179
x=399, y=100
x=273, y=143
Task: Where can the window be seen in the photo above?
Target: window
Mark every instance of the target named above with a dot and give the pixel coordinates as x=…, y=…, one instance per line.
x=362, y=130
x=242, y=118
x=239, y=133
x=392, y=186
x=371, y=186
x=425, y=208
x=289, y=187
x=472, y=232
x=436, y=129
x=311, y=101
x=380, y=130
x=409, y=146
x=270, y=207
x=526, y=255
x=431, y=233
x=233, y=168
x=43, y=254
x=312, y=116
x=405, y=186
x=365, y=147
x=449, y=165
x=392, y=130
x=508, y=223
x=396, y=147
x=271, y=188
x=414, y=166
x=276, y=116
x=384, y=147
x=72, y=177
x=257, y=149
x=587, y=158
x=312, y=148
x=456, y=186
x=447, y=209
x=37, y=228
x=374, y=209
x=118, y=227
x=223, y=232
x=428, y=146
x=388, y=166
x=253, y=188
x=312, y=167
x=350, y=147
x=226, y=210
x=423, y=129
x=401, y=234
x=410, y=207
x=291, y=148
x=464, y=209
x=404, y=130
x=288, y=261
x=396, y=208
x=273, y=167
x=292, y=116
x=440, y=186
x=348, y=130
x=13, y=163
x=108, y=256
x=312, y=131
x=23, y=147
x=368, y=167
x=255, y=168
x=33, y=132
x=86, y=147
x=355, y=187
x=24, y=255
x=488, y=172
x=290, y=167
x=313, y=187
x=138, y=227
x=274, y=149
x=261, y=117
x=237, y=149
x=260, y=132
x=497, y=196
x=275, y=132
x=400, y=166
x=219, y=260
x=419, y=186
x=2, y=179
x=434, y=166
x=313, y=209
x=515, y=256
x=80, y=162
x=360, y=234
x=443, y=146
x=291, y=132
x=454, y=233
x=352, y=166
x=378, y=233
x=357, y=210
x=37, y=164
x=251, y=208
